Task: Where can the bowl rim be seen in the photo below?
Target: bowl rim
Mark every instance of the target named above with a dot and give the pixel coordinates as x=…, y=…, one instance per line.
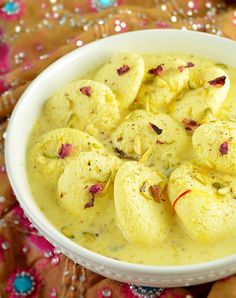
x=51, y=233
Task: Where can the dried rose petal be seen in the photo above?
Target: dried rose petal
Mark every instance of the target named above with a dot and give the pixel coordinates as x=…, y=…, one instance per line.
x=155, y=128
x=157, y=71
x=190, y=124
x=218, y=82
x=160, y=142
x=96, y=188
x=224, y=148
x=123, y=69
x=89, y=204
x=65, y=150
x=188, y=65
x=156, y=192
x=181, y=68
x=86, y=90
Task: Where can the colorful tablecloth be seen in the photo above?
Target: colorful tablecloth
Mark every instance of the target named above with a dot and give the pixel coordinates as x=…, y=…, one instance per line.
x=32, y=35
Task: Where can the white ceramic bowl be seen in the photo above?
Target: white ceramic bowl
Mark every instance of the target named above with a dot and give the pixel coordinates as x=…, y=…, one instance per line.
x=66, y=69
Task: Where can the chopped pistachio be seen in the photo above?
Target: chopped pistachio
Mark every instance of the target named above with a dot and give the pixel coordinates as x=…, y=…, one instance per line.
x=128, y=116
x=233, y=189
x=162, y=185
x=201, y=178
x=143, y=187
x=166, y=164
x=49, y=155
x=106, y=186
x=221, y=65
x=147, y=195
x=147, y=104
x=72, y=120
x=196, y=83
x=153, y=109
x=67, y=232
x=161, y=83
x=146, y=155
x=209, y=116
x=149, y=80
x=115, y=247
x=96, y=146
x=162, y=176
x=224, y=190
x=88, y=236
x=218, y=185
x=50, y=150
x=192, y=85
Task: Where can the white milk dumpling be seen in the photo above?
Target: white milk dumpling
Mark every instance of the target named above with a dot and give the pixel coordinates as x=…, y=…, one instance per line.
x=164, y=80
x=215, y=144
x=208, y=90
x=157, y=140
x=142, y=209
x=84, y=104
x=86, y=185
x=123, y=74
x=204, y=201
x=54, y=150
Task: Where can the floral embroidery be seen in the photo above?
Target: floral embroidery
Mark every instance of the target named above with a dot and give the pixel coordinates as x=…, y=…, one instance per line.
x=106, y=292
x=12, y=10
x=24, y=283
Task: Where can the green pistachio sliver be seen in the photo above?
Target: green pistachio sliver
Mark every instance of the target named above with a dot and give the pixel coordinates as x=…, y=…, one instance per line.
x=170, y=142
x=49, y=155
x=162, y=185
x=67, y=232
x=146, y=155
x=72, y=120
x=149, y=80
x=88, y=236
x=166, y=164
x=218, y=185
x=106, y=187
x=195, y=83
x=208, y=111
x=192, y=85
x=50, y=150
x=221, y=65
x=96, y=146
x=144, y=191
x=224, y=191
x=143, y=187
x=116, y=247
x=147, y=196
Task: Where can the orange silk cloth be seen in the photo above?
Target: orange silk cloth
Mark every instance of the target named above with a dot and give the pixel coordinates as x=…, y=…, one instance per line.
x=33, y=34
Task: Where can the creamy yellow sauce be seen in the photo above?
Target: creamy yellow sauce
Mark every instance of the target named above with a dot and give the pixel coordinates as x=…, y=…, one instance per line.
x=100, y=232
